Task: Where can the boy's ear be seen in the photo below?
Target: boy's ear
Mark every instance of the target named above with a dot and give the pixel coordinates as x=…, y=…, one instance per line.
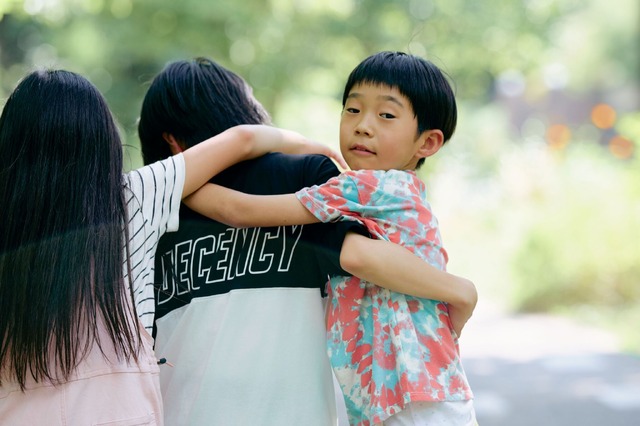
x=430, y=142
x=174, y=144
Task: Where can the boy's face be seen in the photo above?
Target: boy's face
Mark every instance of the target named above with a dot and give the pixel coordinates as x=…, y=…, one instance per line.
x=378, y=129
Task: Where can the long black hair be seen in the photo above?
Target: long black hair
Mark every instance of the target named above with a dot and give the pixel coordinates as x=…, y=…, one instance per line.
x=62, y=220
x=193, y=101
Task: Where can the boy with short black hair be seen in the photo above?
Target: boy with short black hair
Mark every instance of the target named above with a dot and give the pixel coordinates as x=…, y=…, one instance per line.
x=396, y=356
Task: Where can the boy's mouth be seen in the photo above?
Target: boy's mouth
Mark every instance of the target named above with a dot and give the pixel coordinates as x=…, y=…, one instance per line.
x=362, y=148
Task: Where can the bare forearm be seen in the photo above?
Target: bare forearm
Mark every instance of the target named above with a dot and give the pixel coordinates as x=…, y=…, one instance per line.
x=239, y=143
x=396, y=268
x=215, y=154
x=241, y=210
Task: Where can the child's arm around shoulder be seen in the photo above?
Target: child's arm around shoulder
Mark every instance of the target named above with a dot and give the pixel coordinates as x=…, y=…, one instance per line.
x=242, y=210
x=239, y=143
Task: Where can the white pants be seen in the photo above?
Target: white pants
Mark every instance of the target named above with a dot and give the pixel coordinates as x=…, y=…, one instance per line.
x=451, y=413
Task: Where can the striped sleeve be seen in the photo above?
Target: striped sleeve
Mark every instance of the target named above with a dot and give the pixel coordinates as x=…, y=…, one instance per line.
x=153, y=201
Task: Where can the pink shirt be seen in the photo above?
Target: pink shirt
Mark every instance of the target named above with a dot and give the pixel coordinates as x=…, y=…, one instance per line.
x=97, y=393
x=104, y=390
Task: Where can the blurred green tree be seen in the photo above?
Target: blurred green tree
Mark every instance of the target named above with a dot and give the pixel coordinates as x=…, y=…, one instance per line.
x=283, y=47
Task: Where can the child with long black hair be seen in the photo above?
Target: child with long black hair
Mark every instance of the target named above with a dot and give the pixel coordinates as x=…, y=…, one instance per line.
x=77, y=239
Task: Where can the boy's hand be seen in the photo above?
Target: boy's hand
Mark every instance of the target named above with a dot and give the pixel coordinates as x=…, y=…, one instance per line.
x=459, y=317
x=459, y=313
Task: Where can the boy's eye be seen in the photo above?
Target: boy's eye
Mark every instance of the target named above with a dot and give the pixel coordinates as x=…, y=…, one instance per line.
x=387, y=115
x=352, y=110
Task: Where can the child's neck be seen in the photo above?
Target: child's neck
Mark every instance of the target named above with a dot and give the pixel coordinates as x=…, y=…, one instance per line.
x=408, y=169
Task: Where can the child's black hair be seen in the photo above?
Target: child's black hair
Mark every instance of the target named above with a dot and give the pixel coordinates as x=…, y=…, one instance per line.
x=62, y=248
x=194, y=100
x=419, y=80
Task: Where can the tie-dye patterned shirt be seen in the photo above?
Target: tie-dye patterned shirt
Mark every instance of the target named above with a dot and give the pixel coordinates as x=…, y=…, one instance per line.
x=386, y=348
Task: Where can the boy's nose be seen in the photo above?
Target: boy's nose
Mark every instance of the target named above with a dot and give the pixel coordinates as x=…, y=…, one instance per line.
x=363, y=128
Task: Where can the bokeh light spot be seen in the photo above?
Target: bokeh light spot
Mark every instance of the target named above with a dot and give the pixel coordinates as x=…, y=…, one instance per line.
x=603, y=116
x=121, y=9
x=558, y=136
x=511, y=83
x=621, y=147
x=163, y=22
x=242, y=52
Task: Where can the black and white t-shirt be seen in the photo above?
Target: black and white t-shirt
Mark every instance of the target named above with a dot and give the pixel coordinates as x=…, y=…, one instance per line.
x=153, y=194
x=239, y=311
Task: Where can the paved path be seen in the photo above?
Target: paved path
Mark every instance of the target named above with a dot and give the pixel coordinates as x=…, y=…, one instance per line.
x=540, y=370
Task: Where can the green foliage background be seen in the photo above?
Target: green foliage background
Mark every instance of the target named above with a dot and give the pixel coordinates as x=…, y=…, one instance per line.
x=537, y=223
